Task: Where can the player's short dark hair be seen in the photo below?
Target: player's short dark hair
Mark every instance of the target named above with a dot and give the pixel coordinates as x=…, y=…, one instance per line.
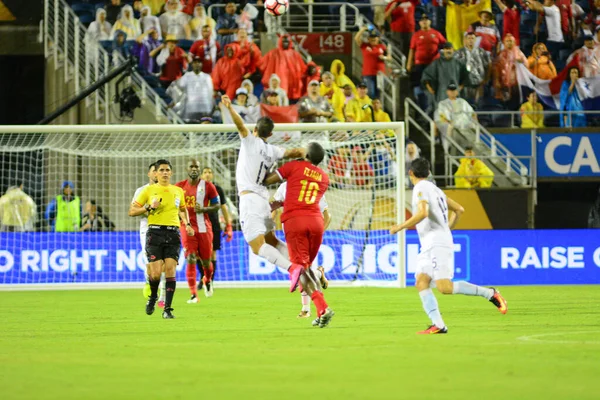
x=163, y=162
x=315, y=153
x=207, y=167
x=469, y=148
x=151, y=165
x=264, y=127
x=420, y=167
x=470, y=34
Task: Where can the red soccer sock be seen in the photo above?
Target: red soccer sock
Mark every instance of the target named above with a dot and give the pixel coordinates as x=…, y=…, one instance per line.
x=208, y=274
x=190, y=274
x=320, y=303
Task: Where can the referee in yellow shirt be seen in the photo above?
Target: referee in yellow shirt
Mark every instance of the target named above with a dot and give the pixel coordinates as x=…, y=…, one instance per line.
x=165, y=205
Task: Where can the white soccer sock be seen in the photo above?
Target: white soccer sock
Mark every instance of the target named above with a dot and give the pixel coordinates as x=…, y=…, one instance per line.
x=163, y=287
x=282, y=248
x=469, y=289
x=273, y=256
x=430, y=305
x=305, y=301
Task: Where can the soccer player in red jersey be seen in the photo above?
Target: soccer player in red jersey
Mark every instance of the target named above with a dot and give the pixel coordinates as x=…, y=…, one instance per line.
x=302, y=220
x=201, y=198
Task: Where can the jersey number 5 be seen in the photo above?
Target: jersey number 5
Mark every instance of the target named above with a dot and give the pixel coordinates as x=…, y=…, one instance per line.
x=308, y=195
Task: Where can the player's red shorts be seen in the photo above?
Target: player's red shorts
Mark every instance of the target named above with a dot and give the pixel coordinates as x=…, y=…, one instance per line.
x=304, y=236
x=200, y=244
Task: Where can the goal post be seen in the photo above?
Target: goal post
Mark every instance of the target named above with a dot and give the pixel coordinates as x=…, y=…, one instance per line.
x=105, y=164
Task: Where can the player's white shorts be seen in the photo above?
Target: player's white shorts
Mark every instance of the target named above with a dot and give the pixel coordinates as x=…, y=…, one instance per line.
x=255, y=216
x=437, y=262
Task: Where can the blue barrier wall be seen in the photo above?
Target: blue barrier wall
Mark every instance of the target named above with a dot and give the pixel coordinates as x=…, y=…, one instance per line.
x=490, y=257
x=559, y=155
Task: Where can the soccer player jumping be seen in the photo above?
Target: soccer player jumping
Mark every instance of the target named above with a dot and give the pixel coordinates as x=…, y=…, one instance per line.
x=276, y=203
x=201, y=197
x=435, y=262
x=255, y=159
x=302, y=219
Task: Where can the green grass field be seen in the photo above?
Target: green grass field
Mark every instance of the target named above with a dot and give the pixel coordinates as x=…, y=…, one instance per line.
x=101, y=345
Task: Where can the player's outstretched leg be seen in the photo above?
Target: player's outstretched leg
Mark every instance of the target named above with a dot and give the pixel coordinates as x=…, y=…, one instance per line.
x=190, y=274
x=305, y=312
x=320, y=275
x=448, y=287
x=270, y=253
x=430, y=305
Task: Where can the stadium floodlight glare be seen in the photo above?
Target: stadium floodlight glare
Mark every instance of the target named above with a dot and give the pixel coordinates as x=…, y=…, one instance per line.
x=106, y=163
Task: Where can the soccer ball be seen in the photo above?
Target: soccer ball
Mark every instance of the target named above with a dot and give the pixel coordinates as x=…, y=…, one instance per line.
x=276, y=7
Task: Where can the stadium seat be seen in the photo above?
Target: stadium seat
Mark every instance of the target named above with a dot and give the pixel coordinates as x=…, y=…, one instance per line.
x=552, y=120
x=106, y=44
x=86, y=19
x=83, y=8
x=185, y=44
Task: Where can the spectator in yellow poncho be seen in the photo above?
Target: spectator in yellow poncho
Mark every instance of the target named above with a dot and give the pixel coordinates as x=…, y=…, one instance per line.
x=355, y=106
x=531, y=113
x=473, y=173
x=338, y=70
x=334, y=95
x=380, y=116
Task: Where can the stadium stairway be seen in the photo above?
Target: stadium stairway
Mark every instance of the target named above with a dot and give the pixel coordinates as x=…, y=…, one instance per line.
x=508, y=170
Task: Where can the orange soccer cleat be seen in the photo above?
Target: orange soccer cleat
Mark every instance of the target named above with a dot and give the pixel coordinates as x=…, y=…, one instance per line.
x=433, y=330
x=499, y=301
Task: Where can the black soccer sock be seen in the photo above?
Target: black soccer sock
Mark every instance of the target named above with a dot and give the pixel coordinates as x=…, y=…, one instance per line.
x=214, y=263
x=171, y=284
x=154, y=287
x=200, y=269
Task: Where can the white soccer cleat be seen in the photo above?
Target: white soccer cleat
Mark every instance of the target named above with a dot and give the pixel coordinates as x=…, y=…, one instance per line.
x=208, y=288
x=193, y=299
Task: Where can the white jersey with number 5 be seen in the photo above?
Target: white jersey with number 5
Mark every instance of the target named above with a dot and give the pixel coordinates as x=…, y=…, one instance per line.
x=434, y=230
x=255, y=159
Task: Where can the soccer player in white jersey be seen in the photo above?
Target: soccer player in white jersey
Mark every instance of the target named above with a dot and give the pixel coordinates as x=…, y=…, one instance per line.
x=435, y=215
x=276, y=203
x=152, y=179
x=255, y=159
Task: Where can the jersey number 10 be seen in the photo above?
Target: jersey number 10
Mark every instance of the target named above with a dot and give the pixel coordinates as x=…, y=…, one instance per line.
x=308, y=195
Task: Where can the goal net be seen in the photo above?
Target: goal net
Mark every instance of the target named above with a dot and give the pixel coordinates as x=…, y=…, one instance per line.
x=104, y=165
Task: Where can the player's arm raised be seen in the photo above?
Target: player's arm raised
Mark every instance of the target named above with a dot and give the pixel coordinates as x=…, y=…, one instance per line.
x=420, y=215
x=237, y=120
x=456, y=211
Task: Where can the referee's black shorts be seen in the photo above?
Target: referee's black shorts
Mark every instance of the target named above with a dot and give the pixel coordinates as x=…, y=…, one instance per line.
x=216, y=228
x=162, y=242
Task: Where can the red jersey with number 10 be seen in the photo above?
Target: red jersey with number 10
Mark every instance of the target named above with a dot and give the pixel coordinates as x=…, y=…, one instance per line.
x=202, y=193
x=306, y=185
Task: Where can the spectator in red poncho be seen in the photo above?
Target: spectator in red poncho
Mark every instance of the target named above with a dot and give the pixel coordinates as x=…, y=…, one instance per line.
x=248, y=53
x=288, y=64
x=511, y=20
x=313, y=73
x=172, y=60
x=402, y=15
x=227, y=74
x=207, y=49
x=362, y=173
x=189, y=5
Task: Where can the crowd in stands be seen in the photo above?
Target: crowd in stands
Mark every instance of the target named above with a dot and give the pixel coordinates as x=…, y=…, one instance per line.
x=462, y=58
x=491, y=40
